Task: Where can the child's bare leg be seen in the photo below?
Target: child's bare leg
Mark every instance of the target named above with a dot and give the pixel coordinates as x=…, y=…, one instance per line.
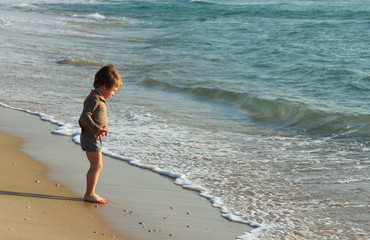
x=92, y=176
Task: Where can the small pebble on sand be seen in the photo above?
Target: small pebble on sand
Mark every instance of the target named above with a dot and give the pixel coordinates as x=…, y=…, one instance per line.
x=172, y=208
x=171, y=234
x=189, y=213
x=188, y=226
x=37, y=181
x=57, y=185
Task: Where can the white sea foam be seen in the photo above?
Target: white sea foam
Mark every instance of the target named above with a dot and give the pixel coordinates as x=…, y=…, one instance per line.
x=76, y=138
x=166, y=173
x=26, y=6
x=30, y=2
x=64, y=129
x=365, y=149
x=100, y=17
x=237, y=2
x=5, y=22
x=94, y=16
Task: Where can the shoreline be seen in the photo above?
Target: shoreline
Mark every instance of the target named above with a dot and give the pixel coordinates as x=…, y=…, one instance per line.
x=142, y=204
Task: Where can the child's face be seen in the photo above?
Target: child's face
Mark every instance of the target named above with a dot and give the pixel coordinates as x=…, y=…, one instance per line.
x=108, y=92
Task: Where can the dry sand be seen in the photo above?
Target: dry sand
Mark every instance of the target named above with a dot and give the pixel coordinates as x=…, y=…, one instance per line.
x=142, y=204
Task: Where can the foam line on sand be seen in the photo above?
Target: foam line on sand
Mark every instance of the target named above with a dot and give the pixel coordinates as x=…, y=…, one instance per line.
x=142, y=204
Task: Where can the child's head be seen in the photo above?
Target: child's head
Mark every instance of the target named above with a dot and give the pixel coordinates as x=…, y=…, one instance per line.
x=108, y=77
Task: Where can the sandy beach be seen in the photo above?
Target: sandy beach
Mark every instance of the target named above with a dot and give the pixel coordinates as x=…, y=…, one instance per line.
x=42, y=198
x=34, y=207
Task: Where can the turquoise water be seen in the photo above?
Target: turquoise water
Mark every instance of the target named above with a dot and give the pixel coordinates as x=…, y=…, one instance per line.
x=293, y=63
x=262, y=106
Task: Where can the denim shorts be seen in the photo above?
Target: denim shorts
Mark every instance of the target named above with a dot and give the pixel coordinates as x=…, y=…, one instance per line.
x=90, y=144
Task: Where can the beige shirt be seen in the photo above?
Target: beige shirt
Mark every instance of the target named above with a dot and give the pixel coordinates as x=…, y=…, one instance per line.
x=94, y=114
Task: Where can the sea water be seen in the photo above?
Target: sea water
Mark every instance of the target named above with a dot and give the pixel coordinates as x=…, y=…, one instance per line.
x=261, y=106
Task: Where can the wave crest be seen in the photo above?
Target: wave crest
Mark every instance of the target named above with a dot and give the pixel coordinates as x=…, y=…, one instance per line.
x=93, y=16
x=282, y=113
x=77, y=62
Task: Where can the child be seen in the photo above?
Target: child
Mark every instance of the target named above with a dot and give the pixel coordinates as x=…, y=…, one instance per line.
x=94, y=125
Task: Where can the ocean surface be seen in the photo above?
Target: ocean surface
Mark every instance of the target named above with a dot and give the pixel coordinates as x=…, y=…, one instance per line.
x=261, y=106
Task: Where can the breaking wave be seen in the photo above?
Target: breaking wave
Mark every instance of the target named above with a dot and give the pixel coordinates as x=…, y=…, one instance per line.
x=77, y=62
x=281, y=112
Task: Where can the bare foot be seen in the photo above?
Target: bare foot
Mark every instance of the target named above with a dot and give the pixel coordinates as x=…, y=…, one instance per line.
x=95, y=199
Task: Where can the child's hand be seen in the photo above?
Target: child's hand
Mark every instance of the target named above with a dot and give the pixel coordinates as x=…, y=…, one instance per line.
x=101, y=132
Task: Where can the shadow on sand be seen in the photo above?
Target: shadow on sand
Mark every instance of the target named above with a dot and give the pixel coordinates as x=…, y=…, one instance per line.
x=35, y=195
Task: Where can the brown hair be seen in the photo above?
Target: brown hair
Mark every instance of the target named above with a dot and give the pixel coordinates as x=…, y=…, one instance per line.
x=107, y=76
